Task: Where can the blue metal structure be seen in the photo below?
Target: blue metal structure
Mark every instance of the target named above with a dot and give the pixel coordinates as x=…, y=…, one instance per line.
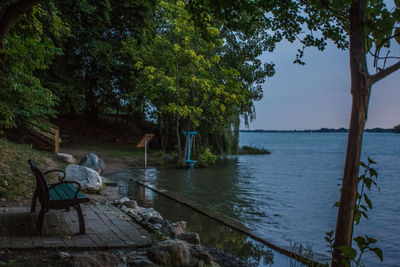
x=188, y=160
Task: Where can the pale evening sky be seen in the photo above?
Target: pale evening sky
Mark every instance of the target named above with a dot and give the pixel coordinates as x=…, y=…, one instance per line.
x=318, y=94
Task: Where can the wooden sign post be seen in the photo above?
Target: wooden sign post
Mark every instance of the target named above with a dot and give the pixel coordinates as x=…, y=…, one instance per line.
x=143, y=143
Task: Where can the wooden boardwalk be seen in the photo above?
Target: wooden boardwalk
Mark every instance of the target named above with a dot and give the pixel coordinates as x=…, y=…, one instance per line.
x=106, y=227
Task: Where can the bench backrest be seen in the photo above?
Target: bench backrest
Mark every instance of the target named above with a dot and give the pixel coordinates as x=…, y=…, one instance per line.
x=42, y=188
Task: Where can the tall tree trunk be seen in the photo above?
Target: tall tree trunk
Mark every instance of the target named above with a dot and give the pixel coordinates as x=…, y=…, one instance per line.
x=160, y=131
x=178, y=137
x=91, y=109
x=11, y=15
x=360, y=90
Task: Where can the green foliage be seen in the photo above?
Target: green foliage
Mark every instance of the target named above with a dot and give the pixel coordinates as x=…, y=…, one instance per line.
x=151, y=60
x=367, y=179
x=396, y=129
x=187, y=78
x=93, y=75
x=10, y=263
x=207, y=157
x=253, y=150
x=351, y=256
x=30, y=46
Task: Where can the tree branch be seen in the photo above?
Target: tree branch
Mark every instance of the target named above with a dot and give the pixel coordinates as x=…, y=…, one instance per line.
x=385, y=72
x=11, y=14
x=338, y=17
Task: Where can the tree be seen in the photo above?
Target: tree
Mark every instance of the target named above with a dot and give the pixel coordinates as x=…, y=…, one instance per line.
x=365, y=31
x=367, y=27
x=30, y=46
x=10, y=14
x=192, y=80
x=91, y=75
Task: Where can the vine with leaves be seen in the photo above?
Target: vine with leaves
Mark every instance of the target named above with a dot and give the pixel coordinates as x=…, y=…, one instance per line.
x=350, y=255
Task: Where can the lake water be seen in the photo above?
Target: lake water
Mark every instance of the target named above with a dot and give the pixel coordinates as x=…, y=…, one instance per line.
x=287, y=196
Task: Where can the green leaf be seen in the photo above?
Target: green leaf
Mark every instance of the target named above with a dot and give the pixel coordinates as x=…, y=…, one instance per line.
x=357, y=217
x=397, y=3
x=372, y=172
x=368, y=182
x=371, y=239
x=362, y=164
x=378, y=253
x=360, y=242
x=330, y=234
x=336, y=204
x=348, y=251
x=368, y=201
x=363, y=213
x=370, y=161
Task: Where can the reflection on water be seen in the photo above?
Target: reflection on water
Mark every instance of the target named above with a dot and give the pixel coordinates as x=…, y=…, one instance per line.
x=287, y=196
x=212, y=233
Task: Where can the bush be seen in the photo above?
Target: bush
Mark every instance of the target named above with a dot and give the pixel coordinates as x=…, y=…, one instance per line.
x=253, y=150
x=207, y=157
x=396, y=129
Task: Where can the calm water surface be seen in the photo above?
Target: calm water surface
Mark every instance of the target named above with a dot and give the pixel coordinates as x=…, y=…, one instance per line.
x=287, y=196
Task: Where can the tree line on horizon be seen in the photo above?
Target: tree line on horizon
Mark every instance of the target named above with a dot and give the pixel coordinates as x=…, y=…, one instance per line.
x=331, y=130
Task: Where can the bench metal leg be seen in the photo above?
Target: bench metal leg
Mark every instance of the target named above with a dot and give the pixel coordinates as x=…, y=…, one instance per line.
x=34, y=200
x=39, y=223
x=81, y=219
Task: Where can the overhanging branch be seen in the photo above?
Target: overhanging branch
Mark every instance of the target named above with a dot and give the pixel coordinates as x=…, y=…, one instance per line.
x=12, y=13
x=385, y=72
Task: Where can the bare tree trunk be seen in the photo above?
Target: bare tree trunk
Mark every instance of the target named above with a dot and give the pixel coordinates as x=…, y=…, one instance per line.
x=360, y=90
x=178, y=136
x=11, y=15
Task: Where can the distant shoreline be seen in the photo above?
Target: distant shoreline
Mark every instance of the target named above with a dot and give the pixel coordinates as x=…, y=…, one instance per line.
x=322, y=130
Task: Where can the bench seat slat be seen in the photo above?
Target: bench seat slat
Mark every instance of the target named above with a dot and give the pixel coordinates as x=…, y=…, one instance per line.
x=56, y=193
x=71, y=188
x=64, y=192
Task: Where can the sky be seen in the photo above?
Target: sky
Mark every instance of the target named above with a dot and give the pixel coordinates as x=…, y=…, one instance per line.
x=318, y=94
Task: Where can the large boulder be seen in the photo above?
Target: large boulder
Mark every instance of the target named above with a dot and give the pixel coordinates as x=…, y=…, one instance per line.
x=89, y=179
x=92, y=161
x=66, y=157
x=170, y=253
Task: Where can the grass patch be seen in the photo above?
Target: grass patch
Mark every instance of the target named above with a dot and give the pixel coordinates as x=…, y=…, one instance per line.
x=16, y=179
x=113, y=150
x=249, y=150
x=123, y=151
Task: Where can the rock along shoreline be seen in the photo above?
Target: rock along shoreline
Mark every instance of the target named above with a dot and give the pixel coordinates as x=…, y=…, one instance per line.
x=176, y=246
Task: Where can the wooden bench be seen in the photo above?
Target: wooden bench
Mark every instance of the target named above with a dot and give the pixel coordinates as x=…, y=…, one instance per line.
x=62, y=195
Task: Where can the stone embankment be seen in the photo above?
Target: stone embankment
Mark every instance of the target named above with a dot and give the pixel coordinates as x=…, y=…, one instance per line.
x=177, y=248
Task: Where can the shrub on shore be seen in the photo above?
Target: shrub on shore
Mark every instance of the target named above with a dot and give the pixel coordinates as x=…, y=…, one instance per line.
x=250, y=150
x=207, y=157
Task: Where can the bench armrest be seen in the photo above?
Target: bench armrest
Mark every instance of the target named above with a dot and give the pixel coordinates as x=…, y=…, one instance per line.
x=68, y=182
x=56, y=170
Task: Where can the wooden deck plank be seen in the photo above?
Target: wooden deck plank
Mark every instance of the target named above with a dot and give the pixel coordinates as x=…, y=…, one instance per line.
x=106, y=227
x=100, y=212
x=111, y=223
